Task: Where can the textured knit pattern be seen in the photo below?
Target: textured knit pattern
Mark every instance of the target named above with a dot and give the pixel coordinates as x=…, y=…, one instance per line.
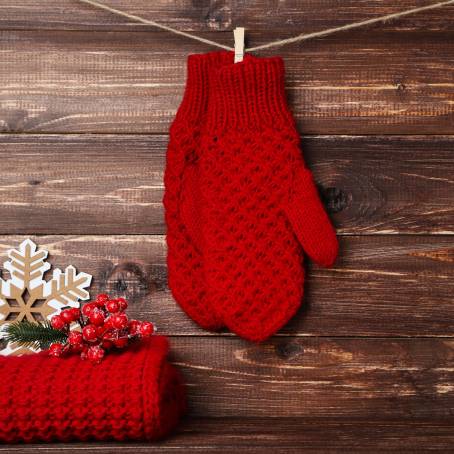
x=132, y=395
x=181, y=197
x=259, y=206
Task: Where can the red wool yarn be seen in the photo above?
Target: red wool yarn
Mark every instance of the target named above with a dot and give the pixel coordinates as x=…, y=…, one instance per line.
x=184, y=262
x=260, y=204
x=132, y=395
x=249, y=206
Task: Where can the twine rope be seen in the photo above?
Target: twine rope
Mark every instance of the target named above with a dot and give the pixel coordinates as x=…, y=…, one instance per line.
x=298, y=38
x=154, y=24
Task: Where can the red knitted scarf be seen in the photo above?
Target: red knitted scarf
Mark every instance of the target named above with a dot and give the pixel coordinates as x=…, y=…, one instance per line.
x=130, y=395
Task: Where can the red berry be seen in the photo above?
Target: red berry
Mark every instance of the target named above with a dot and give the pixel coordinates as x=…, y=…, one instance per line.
x=134, y=326
x=66, y=315
x=108, y=335
x=101, y=330
x=119, y=321
x=87, y=308
x=75, y=313
x=121, y=342
x=96, y=317
x=83, y=351
x=57, y=322
x=75, y=338
x=146, y=329
x=102, y=298
x=56, y=350
x=122, y=303
x=78, y=348
x=112, y=306
x=106, y=344
x=95, y=354
x=90, y=333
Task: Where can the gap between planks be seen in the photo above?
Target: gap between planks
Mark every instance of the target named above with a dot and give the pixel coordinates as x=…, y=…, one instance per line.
x=166, y=133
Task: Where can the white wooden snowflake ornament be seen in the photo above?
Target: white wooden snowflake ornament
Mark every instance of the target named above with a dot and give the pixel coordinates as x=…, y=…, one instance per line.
x=26, y=295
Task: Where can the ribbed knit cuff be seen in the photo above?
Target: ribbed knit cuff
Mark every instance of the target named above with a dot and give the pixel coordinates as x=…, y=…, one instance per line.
x=248, y=94
x=199, y=70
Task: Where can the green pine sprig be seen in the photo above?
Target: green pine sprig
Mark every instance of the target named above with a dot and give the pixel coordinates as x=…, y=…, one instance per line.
x=33, y=335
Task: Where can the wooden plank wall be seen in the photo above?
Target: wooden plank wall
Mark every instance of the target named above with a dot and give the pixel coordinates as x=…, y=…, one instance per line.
x=86, y=99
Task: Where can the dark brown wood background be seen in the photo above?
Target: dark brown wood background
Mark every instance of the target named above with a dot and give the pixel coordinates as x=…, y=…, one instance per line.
x=86, y=99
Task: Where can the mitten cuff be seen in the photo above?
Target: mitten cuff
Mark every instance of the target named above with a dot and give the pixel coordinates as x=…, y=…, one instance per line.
x=199, y=68
x=249, y=93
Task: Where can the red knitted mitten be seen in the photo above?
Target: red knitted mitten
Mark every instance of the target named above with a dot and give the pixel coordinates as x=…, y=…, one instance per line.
x=181, y=194
x=132, y=395
x=260, y=204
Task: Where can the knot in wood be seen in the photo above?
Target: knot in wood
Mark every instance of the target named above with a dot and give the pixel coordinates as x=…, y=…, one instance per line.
x=335, y=199
x=289, y=350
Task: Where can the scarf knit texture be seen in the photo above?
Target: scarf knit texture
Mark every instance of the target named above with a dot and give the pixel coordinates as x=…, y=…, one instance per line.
x=247, y=204
x=131, y=395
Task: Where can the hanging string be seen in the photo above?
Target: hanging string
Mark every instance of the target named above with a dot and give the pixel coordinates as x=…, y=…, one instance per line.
x=298, y=38
x=155, y=24
x=330, y=31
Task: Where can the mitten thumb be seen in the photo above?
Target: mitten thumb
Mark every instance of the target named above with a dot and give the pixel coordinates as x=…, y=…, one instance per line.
x=309, y=219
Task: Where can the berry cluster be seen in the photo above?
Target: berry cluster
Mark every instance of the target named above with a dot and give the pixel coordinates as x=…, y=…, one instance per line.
x=103, y=326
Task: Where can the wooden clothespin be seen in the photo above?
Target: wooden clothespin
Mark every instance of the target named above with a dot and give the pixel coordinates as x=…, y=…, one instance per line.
x=238, y=34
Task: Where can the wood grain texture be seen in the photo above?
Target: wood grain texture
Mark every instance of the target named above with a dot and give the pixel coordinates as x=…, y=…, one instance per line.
x=318, y=377
x=367, y=364
x=380, y=286
x=284, y=16
x=74, y=15
x=280, y=436
x=132, y=82
x=113, y=184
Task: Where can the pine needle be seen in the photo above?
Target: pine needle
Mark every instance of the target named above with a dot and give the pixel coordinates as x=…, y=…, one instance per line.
x=33, y=335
